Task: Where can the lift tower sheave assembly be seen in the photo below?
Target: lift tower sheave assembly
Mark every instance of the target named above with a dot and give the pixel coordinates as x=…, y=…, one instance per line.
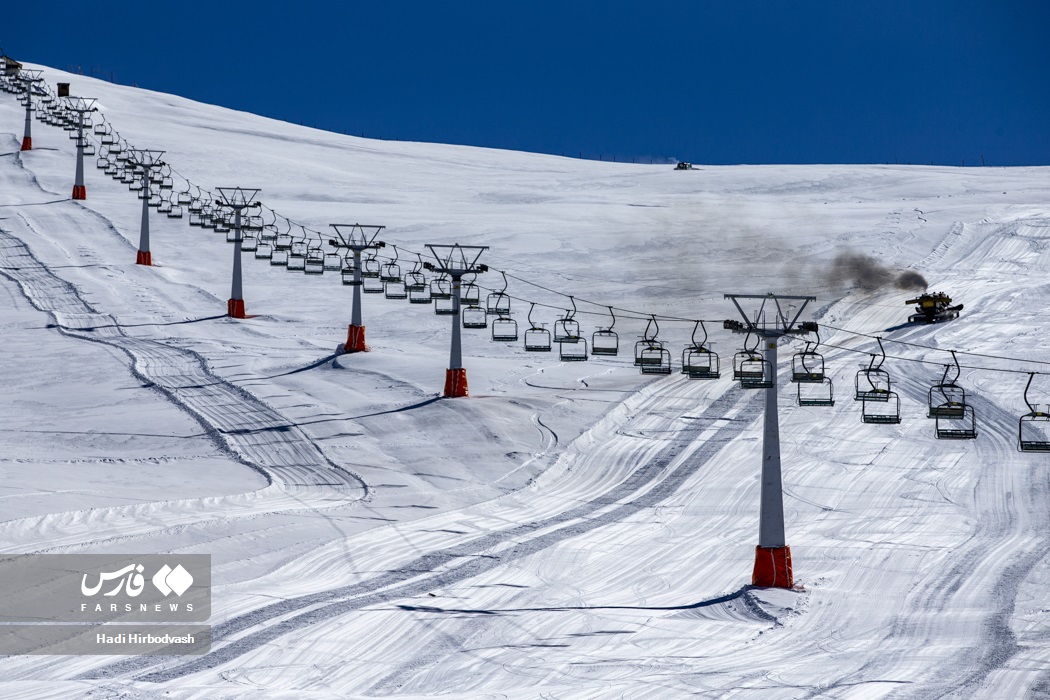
x=356, y=238
x=772, y=555
x=455, y=261
x=238, y=199
x=145, y=162
x=29, y=78
x=82, y=106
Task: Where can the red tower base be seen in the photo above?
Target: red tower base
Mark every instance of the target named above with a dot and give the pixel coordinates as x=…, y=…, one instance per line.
x=27, y=143
x=235, y=308
x=773, y=568
x=455, y=383
x=144, y=258
x=355, y=339
x=79, y=192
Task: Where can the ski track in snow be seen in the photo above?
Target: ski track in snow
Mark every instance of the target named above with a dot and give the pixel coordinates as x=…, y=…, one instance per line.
x=301, y=476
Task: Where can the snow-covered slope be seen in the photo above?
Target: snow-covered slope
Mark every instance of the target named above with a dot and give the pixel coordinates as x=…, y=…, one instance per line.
x=573, y=529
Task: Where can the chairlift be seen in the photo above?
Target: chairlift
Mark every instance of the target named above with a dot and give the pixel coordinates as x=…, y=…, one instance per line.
x=947, y=399
x=698, y=360
x=195, y=218
x=102, y=163
x=964, y=428
x=567, y=328
x=441, y=287
x=395, y=290
x=883, y=409
x=176, y=212
x=415, y=280
x=333, y=262
x=222, y=225
x=391, y=271
x=814, y=394
x=648, y=342
x=279, y=256
x=372, y=285
x=264, y=251
x=155, y=200
x=296, y=263
x=756, y=373
x=100, y=128
x=537, y=338
x=128, y=178
x=1032, y=428
x=445, y=306
x=420, y=296
x=371, y=269
x=283, y=241
x=112, y=170
x=605, y=341
x=655, y=360
x=873, y=383
x=300, y=247
x=498, y=303
x=475, y=317
x=88, y=148
x=184, y=197
x=314, y=263
x=575, y=351
x=505, y=329
x=808, y=365
x=470, y=294
x=164, y=207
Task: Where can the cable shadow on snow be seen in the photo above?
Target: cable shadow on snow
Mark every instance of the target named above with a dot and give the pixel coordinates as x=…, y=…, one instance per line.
x=89, y=329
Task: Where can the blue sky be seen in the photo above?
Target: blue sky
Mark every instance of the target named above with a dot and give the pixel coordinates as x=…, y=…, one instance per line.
x=711, y=81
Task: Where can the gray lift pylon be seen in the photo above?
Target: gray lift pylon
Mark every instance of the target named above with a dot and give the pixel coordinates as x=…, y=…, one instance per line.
x=82, y=106
x=238, y=199
x=145, y=162
x=29, y=78
x=356, y=238
x=772, y=555
x=455, y=261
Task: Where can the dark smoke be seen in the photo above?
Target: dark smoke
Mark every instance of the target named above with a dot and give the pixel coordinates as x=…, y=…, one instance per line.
x=910, y=279
x=869, y=274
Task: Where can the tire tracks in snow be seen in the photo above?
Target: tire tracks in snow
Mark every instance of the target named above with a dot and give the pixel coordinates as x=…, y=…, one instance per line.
x=300, y=475
x=646, y=485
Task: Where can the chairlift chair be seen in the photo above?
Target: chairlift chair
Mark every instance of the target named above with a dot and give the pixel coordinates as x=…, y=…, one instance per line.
x=698, y=360
x=873, y=383
x=1033, y=428
x=390, y=272
x=605, y=341
x=756, y=373
x=964, y=428
x=296, y=263
x=537, y=338
x=100, y=128
x=416, y=282
x=738, y=361
x=195, y=218
x=504, y=329
x=886, y=409
x=155, y=200
x=470, y=294
x=822, y=394
x=656, y=360
x=498, y=303
x=279, y=256
x=576, y=351
x=249, y=243
x=395, y=290
x=89, y=148
x=371, y=269
x=372, y=285
x=947, y=399
x=164, y=207
x=314, y=263
x=444, y=306
x=567, y=328
x=300, y=247
x=283, y=242
x=263, y=251
x=807, y=366
x=420, y=296
x=176, y=212
x=474, y=316
x=333, y=262
x=441, y=288
x=646, y=349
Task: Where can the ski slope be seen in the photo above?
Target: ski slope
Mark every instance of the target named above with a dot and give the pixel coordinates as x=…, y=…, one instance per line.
x=572, y=530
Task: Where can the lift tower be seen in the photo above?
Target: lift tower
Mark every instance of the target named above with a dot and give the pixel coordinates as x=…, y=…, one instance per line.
x=238, y=199
x=772, y=555
x=82, y=106
x=356, y=238
x=455, y=261
x=145, y=162
x=29, y=78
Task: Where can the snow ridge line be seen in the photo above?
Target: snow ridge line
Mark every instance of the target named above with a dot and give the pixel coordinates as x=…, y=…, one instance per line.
x=254, y=435
x=647, y=486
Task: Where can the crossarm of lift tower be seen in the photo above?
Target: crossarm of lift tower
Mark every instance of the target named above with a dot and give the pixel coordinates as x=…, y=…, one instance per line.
x=781, y=324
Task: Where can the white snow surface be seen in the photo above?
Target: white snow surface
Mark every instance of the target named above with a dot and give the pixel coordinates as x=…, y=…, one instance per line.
x=572, y=530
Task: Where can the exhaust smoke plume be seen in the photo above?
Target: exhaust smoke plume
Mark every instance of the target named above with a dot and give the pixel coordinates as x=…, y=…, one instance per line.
x=869, y=274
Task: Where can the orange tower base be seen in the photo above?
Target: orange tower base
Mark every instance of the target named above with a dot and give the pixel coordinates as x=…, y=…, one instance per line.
x=773, y=568
x=355, y=339
x=27, y=143
x=455, y=383
x=235, y=308
x=79, y=192
x=144, y=258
